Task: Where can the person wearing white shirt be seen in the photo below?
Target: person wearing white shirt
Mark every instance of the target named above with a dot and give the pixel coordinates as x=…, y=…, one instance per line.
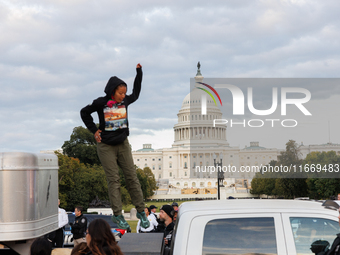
x=152, y=220
x=62, y=221
x=153, y=213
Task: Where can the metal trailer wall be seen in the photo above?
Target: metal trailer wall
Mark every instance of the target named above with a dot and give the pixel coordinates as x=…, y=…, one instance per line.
x=28, y=195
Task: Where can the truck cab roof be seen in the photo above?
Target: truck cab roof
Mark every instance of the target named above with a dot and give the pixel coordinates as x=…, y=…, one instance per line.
x=252, y=205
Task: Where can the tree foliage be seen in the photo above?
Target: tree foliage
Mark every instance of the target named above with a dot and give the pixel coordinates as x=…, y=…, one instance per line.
x=79, y=184
x=323, y=188
x=316, y=188
x=291, y=187
x=147, y=181
x=126, y=199
x=264, y=184
x=82, y=146
x=82, y=178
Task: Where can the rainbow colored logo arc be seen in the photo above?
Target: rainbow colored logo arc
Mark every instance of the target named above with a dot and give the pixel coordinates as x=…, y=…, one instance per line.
x=209, y=93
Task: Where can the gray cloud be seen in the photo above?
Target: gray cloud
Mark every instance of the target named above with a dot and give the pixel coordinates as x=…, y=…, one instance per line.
x=56, y=56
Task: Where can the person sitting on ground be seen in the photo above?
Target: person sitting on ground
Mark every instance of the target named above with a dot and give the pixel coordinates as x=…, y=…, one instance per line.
x=41, y=246
x=153, y=223
x=80, y=249
x=100, y=239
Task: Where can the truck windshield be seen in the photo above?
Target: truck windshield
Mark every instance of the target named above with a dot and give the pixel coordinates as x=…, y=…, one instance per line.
x=313, y=234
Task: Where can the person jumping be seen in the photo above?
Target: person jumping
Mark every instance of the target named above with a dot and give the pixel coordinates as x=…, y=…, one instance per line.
x=113, y=147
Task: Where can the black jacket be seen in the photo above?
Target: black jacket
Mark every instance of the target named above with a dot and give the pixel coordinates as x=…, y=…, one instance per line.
x=335, y=249
x=168, y=233
x=113, y=122
x=78, y=228
x=167, y=230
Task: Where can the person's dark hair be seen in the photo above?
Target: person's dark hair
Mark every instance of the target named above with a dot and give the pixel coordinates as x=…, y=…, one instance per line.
x=41, y=246
x=149, y=210
x=120, y=85
x=81, y=248
x=80, y=208
x=102, y=239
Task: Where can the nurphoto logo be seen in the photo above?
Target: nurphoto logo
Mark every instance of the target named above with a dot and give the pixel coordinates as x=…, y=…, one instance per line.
x=204, y=98
x=239, y=105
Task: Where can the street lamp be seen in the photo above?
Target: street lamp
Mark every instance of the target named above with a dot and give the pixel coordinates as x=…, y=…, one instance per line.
x=220, y=174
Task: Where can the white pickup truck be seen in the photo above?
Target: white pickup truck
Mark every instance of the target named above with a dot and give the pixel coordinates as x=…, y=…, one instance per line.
x=252, y=226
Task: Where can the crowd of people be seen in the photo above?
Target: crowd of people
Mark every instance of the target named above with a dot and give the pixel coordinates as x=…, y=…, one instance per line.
x=97, y=238
x=163, y=224
x=99, y=241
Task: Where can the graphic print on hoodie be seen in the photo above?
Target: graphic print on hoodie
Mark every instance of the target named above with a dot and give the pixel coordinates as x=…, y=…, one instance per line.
x=115, y=117
x=113, y=122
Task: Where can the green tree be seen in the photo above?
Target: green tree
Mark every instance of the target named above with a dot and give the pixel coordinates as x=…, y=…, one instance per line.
x=126, y=199
x=79, y=184
x=264, y=183
x=322, y=187
x=287, y=185
x=82, y=146
x=257, y=185
x=67, y=167
x=147, y=181
x=82, y=178
x=291, y=155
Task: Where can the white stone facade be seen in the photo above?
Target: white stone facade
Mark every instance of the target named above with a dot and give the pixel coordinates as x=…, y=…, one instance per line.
x=306, y=149
x=173, y=164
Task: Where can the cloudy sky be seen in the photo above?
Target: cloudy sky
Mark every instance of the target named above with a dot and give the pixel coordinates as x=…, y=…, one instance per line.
x=57, y=55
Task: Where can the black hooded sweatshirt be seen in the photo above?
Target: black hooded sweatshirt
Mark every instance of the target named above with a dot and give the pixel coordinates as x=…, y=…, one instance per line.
x=113, y=122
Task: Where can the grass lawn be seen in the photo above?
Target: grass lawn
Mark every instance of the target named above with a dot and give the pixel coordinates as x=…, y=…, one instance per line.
x=133, y=225
x=127, y=208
